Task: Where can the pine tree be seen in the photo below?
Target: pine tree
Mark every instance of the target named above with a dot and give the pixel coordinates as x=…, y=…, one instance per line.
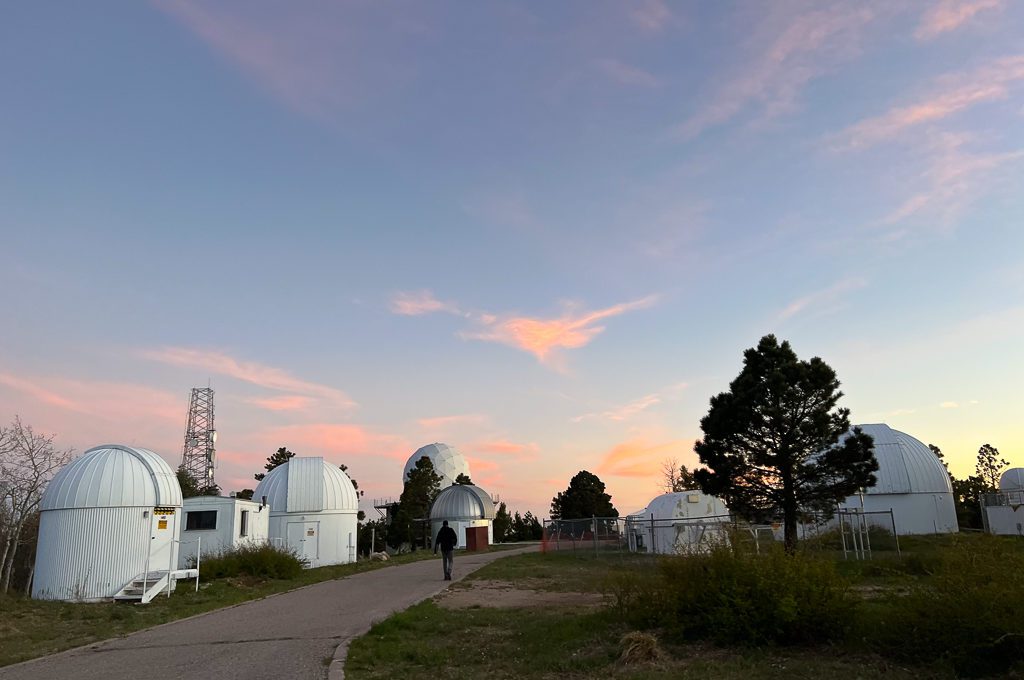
x=279, y=457
x=585, y=498
x=989, y=466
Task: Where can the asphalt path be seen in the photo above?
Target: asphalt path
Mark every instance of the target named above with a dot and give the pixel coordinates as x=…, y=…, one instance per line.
x=296, y=635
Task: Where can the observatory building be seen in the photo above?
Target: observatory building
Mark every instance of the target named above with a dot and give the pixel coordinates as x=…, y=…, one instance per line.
x=677, y=523
x=213, y=524
x=1003, y=512
x=107, y=519
x=912, y=482
x=313, y=509
x=448, y=462
x=469, y=511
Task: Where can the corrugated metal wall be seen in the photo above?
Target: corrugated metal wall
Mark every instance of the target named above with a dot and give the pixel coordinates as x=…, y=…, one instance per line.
x=305, y=485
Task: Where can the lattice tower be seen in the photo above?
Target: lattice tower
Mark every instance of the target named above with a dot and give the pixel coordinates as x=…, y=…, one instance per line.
x=198, y=456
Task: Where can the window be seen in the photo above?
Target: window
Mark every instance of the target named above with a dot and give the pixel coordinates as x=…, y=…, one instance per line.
x=244, y=531
x=201, y=520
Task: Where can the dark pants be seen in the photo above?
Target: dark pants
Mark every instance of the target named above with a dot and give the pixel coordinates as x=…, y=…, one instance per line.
x=447, y=560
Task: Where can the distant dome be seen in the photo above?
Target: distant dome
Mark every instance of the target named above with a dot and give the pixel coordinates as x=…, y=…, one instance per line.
x=113, y=476
x=462, y=502
x=307, y=485
x=684, y=504
x=448, y=462
x=1012, y=480
x=905, y=464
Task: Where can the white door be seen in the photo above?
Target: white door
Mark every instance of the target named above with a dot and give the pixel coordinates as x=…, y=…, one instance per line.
x=304, y=538
x=162, y=556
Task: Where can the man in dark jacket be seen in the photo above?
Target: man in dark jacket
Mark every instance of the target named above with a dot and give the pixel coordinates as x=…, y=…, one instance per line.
x=446, y=539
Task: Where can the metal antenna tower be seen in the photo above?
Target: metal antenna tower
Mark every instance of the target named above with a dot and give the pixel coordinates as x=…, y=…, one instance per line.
x=198, y=456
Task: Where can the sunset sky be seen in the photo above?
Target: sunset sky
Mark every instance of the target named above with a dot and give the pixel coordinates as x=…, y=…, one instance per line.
x=543, y=233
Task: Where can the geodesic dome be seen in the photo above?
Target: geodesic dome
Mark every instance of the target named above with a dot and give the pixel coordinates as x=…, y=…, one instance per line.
x=448, y=462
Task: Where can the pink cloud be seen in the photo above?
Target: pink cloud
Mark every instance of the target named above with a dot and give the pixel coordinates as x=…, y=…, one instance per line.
x=505, y=447
x=441, y=422
x=248, y=371
x=638, y=458
x=949, y=15
x=34, y=390
x=953, y=93
x=415, y=303
x=336, y=440
x=288, y=402
x=635, y=407
x=623, y=74
x=545, y=337
x=822, y=300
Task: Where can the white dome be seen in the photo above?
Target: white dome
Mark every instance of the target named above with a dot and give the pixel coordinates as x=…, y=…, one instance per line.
x=905, y=464
x=685, y=504
x=1012, y=480
x=462, y=502
x=448, y=463
x=113, y=476
x=307, y=485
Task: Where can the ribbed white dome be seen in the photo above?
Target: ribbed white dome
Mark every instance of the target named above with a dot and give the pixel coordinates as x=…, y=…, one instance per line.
x=307, y=485
x=462, y=502
x=113, y=476
x=448, y=462
x=905, y=464
x=1012, y=480
x=678, y=505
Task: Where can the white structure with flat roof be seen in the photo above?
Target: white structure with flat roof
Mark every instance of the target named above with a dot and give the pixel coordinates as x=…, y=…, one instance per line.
x=213, y=524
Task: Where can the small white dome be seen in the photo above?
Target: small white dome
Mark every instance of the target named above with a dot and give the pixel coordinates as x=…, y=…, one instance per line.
x=462, y=502
x=684, y=504
x=307, y=485
x=448, y=462
x=113, y=476
x=1012, y=480
x=905, y=464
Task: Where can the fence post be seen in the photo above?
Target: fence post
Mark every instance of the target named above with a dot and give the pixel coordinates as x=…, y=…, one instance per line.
x=895, y=535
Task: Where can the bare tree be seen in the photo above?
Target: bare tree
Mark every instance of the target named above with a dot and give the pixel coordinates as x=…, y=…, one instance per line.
x=676, y=477
x=28, y=461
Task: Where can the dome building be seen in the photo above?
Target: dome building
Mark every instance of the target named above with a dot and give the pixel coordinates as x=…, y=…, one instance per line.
x=448, y=462
x=1012, y=481
x=677, y=523
x=469, y=510
x=107, y=519
x=1003, y=513
x=912, y=482
x=313, y=510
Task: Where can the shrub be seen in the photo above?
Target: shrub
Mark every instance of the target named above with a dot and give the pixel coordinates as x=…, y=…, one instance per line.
x=733, y=596
x=257, y=560
x=967, y=612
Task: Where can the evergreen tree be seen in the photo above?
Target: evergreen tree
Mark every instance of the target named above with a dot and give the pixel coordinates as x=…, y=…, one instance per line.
x=422, y=485
x=463, y=478
x=502, y=524
x=359, y=494
x=190, y=486
x=279, y=457
x=585, y=498
x=989, y=466
x=938, y=454
x=245, y=494
x=676, y=477
x=771, y=443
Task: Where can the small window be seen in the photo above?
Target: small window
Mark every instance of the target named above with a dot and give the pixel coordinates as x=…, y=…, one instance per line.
x=201, y=520
x=244, y=531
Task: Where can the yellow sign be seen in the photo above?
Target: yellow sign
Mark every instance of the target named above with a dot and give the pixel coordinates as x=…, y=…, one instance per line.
x=161, y=523
x=310, y=532
x=163, y=511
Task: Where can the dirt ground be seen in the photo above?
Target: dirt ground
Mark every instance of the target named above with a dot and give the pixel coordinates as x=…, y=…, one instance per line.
x=502, y=594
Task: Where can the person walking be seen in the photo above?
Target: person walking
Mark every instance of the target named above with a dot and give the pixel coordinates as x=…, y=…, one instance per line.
x=446, y=539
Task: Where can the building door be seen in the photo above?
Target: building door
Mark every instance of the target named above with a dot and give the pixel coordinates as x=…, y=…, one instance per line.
x=162, y=555
x=304, y=538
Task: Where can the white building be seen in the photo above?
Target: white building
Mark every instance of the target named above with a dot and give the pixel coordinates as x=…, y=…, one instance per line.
x=469, y=510
x=1003, y=512
x=448, y=463
x=313, y=510
x=677, y=523
x=213, y=524
x=912, y=482
x=107, y=517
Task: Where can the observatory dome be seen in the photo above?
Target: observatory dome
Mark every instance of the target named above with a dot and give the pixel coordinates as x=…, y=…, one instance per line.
x=905, y=464
x=307, y=485
x=113, y=476
x=1012, y=480
x=448, y=462
x=462, y=502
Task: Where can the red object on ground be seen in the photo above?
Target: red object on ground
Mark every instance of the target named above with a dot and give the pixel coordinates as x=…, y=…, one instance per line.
x=476, y=538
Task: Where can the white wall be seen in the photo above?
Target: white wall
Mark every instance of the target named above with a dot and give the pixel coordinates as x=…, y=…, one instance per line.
x=229, y=526
x=1005, y=520
x=460, y=530
x=915, y=513
x=333, y=539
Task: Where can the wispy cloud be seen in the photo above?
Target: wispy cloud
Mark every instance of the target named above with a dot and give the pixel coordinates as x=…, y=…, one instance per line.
x=951, y=94
x=544, y=338
x=336, y=441
x=633, y=408
x=639, y=458
x=949, y=404
x=415, y=303
x=288, y=402
x=269, y=377
x=624, y=74
x=650, y=15
x=822, y=300
x=504, y=447
x=442, y=422
x=949, y=15
x=787, y=54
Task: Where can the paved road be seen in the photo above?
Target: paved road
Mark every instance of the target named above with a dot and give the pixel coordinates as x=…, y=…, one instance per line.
x=290, y=636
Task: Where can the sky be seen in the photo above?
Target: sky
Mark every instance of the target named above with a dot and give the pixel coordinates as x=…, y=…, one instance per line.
x=543, y=233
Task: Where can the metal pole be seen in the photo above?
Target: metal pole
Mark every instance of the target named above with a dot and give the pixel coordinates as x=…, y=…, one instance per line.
x=594, y=534
x=842, y=533
x=654, y=542
x=895, y=535
x=145, y=574
x=867, y=535
x=199, y=554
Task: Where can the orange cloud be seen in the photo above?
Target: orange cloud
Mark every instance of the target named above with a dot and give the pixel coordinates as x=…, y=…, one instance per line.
x=506, y=447
x=415, y=303
x=113, y=401
x=635, y=407
x=950, y=15
x=954, y=93
x=440, y=422
x=327, y=439
x=288, y=402
x=543, y=337
x=637, y=458
x=247, y=371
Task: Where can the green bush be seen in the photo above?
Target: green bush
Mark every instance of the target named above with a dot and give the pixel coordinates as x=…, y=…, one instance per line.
x=969, y=611
x=735, y=596
x=256, y=560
